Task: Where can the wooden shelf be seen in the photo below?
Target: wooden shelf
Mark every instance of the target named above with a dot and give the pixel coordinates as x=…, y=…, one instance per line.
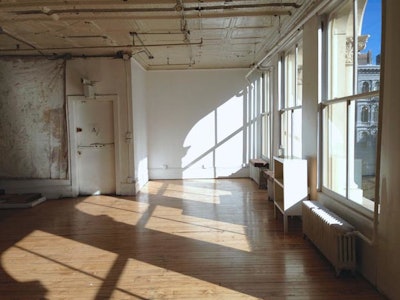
x=279, y=181
x=290, y=186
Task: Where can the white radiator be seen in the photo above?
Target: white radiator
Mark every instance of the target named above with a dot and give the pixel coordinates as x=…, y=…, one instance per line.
x=332, y=235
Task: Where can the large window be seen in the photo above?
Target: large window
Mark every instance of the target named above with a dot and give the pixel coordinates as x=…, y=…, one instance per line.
x=266, y=116
x=291, y=66
x=350, y=113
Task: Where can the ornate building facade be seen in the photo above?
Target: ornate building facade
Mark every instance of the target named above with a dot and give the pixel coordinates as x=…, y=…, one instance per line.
x=367, y=112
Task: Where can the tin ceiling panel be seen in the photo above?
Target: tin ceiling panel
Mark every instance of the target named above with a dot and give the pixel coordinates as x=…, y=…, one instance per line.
x=159, y=34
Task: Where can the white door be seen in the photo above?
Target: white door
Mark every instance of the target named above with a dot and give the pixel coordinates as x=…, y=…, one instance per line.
x=94, y=129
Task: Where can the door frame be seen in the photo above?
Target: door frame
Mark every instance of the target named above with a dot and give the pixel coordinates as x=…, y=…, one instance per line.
x=73, y=147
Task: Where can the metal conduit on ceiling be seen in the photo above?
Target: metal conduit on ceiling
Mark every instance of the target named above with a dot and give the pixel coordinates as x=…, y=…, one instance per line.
x=20, y=11
x=175, y=8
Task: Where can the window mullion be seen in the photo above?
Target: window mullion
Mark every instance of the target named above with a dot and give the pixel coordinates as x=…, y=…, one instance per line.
x=355, y=45
x=291, y=132
x=347, y=147
x=296, y=51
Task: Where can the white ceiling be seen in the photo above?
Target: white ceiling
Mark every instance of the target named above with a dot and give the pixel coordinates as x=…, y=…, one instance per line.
x=159, y=34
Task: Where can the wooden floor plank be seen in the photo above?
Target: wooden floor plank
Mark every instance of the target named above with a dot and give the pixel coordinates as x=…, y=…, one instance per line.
x=192, y=239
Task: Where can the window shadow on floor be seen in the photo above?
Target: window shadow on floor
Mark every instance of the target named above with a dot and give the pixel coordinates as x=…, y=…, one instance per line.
x=233, y=246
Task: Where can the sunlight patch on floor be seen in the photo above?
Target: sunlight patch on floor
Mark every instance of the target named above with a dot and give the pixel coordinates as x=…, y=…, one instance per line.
x=152, y=187
x=140, y=278
x=186, y=192
x=74, y=265
x=172, y=221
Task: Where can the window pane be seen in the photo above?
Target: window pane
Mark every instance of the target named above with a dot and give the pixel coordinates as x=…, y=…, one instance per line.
x=369, y=43
x=370, y=39
x=269, y=139
x=286, y=132
x=290, y=77
x=297, y=145
x=265, y=136
x=364, y=140
x=299, y=74
x=334, y=164
x=341, y=51
x=265, y=119
x=267, y=92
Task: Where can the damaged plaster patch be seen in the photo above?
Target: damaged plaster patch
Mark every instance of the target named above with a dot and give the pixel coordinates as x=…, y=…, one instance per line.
x=33, y=131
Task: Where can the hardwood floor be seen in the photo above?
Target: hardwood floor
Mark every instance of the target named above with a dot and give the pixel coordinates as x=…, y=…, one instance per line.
x=193, y=239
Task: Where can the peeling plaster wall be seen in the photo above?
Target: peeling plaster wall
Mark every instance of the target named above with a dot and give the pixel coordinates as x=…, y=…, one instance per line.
x=33, y=131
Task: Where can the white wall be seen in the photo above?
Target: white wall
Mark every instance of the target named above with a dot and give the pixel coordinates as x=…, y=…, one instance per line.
x=388, y=273
x=139, y=107
x=197, y=124
x=112, y=77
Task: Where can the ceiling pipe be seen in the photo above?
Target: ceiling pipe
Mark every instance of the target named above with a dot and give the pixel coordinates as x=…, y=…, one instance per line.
x=3, y=31
x=106, y=47
x=172, y=65
x=160, y=33
x=180, y=8
x=281, y=42
x=147, y=51
x=240, y=6
x=65, y=56
x=165, y=16
x=51, y=3
x=176, y=8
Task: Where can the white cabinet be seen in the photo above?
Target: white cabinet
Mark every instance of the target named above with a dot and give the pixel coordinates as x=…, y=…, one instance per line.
x=290, y=186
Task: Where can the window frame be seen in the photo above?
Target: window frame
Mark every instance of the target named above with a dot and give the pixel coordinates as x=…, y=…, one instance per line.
x=266, y=113
x=368, y=207
x=285, y=106
x=371, y=209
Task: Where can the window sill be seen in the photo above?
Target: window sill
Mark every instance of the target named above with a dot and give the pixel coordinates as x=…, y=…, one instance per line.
x=361, y=217
x=364, y=208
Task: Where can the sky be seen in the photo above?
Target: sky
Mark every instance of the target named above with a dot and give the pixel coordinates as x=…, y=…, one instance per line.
x=372, y=24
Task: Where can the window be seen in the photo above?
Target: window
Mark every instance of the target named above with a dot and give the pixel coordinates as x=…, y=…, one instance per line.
x=364, y=114
x=266, y=117
x=350, y=114
x=365, y=87
x=254, y=111
x=291, y=101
